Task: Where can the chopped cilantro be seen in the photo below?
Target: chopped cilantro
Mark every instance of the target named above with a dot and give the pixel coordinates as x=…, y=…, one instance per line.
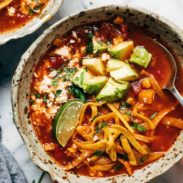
x=78, y=92
x=123, y=156
x=142, y=159
x=98, y=153
x=139, y=127
x=124, y=105
x=100, y=126
x=89, y=45
x=117, y=167
x=58, y=92
x=54, y=83
x=153, y=115
x=37, y=95
x=45, y=98
x=86, y=69
x=70, y=70
x=128, y=112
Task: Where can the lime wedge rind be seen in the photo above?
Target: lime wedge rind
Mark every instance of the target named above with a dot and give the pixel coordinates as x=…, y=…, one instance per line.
x=66, y=121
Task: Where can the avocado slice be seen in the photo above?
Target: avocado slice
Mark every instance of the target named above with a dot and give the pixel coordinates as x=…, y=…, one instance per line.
x=80, y=76
x=121, y=71
x=113, y=91
x=94, y=84
x=121, y=50
x=114, y=64
x=95, y=65
x=90, y=84
x=98, y=45
x=141, y=56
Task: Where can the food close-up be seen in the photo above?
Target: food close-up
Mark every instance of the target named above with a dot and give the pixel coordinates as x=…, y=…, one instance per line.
x=97, y=102
x=91, y=91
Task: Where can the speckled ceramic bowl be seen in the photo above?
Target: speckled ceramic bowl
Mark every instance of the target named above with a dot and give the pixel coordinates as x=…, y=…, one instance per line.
x=23, y=75
x=48, y=12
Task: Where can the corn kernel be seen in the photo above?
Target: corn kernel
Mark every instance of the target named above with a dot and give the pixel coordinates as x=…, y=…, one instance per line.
x=130, y=101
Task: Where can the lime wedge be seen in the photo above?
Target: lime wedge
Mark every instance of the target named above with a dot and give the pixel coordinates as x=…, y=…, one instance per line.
x=66, y=120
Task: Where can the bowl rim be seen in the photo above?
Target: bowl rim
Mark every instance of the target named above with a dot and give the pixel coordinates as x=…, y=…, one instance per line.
x=40, y=19
x=25, y=57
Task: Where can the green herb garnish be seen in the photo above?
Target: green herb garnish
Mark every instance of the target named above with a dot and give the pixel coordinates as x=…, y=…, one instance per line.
x=117, y=167
x=100, y=126
x=153, y=115
x=70, y=70
x=78, y=92
x=124, y=105
x=58, y=92
x=128, y=112
x=89, y=45
x=98, y=153
x=45, y=97
x=142, y=159
x=54, y=83
x=124, y=156
x=37, y=95
x=139, y=127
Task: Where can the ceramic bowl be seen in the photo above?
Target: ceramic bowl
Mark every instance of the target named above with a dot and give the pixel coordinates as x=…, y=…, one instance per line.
x=48, y=12
x=23, y=75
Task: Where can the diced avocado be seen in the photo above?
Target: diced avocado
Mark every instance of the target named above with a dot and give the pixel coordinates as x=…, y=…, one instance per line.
x=95, y=65
x=123, y=73
x=121, y=50
x=80, y=76
x=90, y=84
x=113, y=91
x=99, y=45
x=141, y=56
x=114, y=64
x=95, y=84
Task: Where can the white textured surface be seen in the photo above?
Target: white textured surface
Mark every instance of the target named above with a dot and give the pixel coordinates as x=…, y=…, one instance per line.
x=10, y=55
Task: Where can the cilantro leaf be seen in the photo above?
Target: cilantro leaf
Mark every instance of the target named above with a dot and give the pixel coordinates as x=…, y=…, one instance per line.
x=139, y=127
x=98, y=153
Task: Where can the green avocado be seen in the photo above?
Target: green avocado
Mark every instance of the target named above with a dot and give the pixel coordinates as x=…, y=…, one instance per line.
x=121, y=71
x=113, y=91
x=94, y=84
x=121, y=50
x=95, y=65
x=89, y=83
x=80, y=76
x=98, y=45
x=114, y=64
x=141, y=56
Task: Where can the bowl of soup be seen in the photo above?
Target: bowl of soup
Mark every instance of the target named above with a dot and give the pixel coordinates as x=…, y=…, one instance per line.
x=22, y=17
x=89, y=101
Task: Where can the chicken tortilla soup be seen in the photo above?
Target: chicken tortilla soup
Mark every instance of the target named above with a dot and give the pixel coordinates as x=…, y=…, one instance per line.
x=97, y=102
x=15, y=13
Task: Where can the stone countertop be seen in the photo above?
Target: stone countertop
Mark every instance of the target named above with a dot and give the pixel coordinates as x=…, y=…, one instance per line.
x=10, y=55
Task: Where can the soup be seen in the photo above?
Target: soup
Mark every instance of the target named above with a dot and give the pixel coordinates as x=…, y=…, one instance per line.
x=19, y=12
x=97, y=102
